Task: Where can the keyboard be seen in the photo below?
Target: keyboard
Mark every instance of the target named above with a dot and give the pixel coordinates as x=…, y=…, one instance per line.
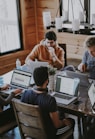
x=62, y=96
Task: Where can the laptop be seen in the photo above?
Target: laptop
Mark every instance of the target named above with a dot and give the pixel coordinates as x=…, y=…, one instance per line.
x=91, y=94
x=66, y=90
x=84, y=80
x=20, y=79
x=33, y=64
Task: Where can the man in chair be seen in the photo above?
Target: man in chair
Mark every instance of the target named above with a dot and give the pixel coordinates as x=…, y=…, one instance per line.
x=48, y=51
x=39, y=96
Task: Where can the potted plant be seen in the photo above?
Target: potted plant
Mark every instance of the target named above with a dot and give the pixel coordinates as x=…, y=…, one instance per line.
x=51, y=70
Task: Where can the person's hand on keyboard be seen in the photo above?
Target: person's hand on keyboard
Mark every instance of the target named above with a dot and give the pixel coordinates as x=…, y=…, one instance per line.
x=5, y=87
x=17, y=91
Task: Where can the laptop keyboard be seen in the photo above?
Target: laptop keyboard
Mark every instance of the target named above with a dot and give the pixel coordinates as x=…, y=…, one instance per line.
x=62, y=96
x=13, y=87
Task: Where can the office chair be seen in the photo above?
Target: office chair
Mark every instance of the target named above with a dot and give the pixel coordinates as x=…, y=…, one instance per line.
x=63, y=46
x=30, y=121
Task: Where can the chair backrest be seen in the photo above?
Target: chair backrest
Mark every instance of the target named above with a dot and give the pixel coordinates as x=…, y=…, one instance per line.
x=63, y=46
x=29, y=120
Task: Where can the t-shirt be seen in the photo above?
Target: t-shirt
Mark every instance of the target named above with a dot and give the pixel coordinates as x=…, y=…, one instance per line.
x=47, y=104
x=89, y=60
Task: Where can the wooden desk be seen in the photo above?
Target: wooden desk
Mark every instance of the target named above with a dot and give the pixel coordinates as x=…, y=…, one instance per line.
x=82, y=108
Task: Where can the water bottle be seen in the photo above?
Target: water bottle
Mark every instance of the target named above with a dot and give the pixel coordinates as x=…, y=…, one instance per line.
x=18, y=64
x=1, y=81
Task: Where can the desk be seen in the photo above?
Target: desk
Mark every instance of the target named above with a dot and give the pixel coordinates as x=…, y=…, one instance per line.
x=7, y=77
x=81, y=110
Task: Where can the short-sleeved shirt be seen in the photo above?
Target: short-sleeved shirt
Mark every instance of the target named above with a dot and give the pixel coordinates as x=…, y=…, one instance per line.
x=89, y=60
x=47, y=104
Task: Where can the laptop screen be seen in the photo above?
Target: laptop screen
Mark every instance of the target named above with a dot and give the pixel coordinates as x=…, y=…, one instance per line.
x=91, y=94
x=34, y=64
x=21, y=78
x=65, y=85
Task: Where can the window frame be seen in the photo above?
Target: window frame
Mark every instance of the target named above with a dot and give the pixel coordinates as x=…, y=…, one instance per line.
x=19, y=31
x=88, y=27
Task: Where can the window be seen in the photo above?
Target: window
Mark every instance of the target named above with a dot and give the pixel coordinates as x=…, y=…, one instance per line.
x=73, y=8
x=92, y=12
x=10, y=37
x=83, y=10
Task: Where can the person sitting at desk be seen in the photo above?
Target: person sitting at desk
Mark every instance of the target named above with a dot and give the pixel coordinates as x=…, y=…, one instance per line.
x=39, y=96
x=88, y=60
x=49, y=51
x=8, y=114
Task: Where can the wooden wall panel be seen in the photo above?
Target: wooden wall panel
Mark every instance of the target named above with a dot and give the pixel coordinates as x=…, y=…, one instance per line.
x=47, y=4
x=28, y=22
x=31, y=39
x=7, y=63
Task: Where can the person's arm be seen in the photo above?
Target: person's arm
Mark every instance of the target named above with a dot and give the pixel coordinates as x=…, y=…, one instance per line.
x=58, y=123
x=83, y=66
x=32, y=55
x=4, y=87
x=58, y=61
x=6, y=101
x=54, y=115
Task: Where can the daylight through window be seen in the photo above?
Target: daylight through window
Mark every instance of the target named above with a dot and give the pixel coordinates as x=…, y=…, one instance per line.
x=9, y=26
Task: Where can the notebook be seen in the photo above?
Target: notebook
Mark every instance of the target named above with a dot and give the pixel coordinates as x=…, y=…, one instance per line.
x=33, y=64
x=66, y=90
x=20, y=79
x=84, y=81
x=91, y=94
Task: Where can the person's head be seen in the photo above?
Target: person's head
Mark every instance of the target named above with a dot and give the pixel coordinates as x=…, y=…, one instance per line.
x=40, y=76
x=50, y=38
x=90, y=45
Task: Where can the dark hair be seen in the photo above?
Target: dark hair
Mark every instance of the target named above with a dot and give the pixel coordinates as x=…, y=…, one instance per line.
x=51, y=35
x=40, y=75
x=89, y=42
